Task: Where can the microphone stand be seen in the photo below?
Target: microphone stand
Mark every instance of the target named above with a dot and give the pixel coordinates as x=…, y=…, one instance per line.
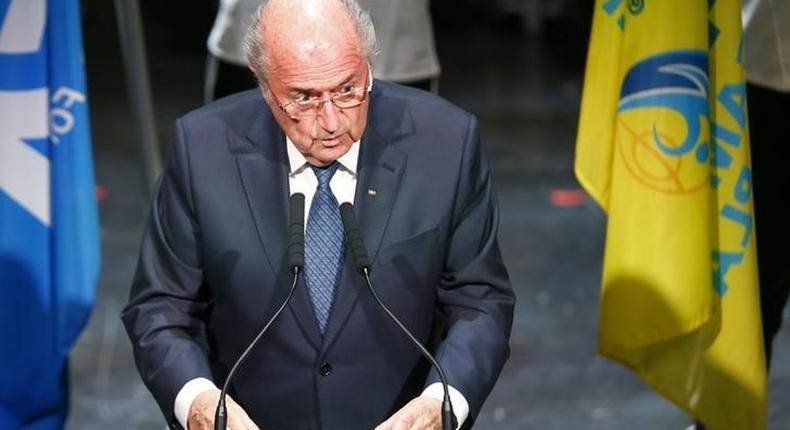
x=296, y=261
x=220, y=416
x=361, y=261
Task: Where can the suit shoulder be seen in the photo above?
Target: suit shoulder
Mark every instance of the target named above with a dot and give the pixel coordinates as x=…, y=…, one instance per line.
x=423, y=104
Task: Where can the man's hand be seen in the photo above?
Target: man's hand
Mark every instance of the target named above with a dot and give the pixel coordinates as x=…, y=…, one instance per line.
x=201, y=413
x=422, y=413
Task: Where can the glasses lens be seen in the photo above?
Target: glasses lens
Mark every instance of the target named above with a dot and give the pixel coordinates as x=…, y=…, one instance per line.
x=306, y=108
x=348, y=99
x=300, y=109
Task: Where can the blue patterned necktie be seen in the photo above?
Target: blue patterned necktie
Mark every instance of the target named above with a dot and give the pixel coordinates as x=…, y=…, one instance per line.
x=323, y=246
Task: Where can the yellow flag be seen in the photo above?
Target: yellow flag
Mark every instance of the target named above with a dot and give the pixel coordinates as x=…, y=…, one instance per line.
x=663, y=147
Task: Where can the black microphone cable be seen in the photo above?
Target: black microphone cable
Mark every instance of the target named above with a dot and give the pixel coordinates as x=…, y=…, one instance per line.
x=360, y=256
x=296, y=262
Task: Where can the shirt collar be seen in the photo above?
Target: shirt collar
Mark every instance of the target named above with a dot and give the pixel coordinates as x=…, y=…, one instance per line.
x=298, y=163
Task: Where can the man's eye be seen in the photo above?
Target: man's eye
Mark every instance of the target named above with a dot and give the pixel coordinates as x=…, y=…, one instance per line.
x=301, y=98
x=346, y=89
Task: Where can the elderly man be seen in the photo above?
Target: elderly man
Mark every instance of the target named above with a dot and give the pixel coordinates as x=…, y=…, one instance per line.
x=213, y=263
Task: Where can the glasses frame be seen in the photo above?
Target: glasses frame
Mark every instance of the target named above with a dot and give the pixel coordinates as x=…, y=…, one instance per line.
x=319, y=104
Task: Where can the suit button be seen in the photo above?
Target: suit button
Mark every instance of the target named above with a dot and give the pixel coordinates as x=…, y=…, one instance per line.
x=325, y=369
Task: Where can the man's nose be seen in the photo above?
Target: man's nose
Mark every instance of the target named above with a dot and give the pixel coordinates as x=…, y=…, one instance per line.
x=328, y=116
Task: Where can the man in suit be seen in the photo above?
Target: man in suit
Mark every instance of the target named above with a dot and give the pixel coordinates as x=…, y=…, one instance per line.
x=213, y=264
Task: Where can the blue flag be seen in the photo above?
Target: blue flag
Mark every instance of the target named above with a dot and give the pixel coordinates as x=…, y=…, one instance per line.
x=49, y=241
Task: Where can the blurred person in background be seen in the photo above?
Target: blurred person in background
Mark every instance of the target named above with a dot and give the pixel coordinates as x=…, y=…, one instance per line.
x=407, y=47
x=407, y=51
x=226, y=65
x=767, y=56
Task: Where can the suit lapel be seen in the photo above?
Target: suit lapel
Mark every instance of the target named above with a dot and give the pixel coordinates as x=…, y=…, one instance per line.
x=380, y=173
x=380, y=170
x=263, y=169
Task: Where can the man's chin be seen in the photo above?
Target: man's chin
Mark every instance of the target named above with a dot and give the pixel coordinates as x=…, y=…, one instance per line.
x=329, y=154
x=325, y=158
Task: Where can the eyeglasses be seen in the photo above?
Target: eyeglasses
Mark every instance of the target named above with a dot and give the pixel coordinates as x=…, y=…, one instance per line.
x=309, y=107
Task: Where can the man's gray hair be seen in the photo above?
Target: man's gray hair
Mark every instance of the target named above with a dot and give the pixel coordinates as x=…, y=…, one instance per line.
x=254, y=42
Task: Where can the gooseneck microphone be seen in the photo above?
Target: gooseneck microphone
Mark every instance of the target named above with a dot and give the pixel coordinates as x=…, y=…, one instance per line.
x=296, y=263
x=360, y=256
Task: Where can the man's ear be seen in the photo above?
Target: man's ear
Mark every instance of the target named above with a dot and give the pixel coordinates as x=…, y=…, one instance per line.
x=261, y=84
x=266, y=92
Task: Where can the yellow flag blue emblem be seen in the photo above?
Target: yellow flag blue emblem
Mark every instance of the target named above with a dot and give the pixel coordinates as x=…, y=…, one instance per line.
x=663, y=148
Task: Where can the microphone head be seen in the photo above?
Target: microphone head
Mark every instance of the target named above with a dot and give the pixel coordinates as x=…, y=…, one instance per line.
x=354, y=238
x=296, y=231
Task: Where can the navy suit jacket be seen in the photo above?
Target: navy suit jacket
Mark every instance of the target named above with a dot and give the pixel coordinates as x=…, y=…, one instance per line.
x=213, y=268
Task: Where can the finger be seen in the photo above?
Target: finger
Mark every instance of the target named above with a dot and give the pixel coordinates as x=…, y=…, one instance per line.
x=406, y=421
x=202, y=422
x=239, y=417
x=234, y=421
x=249, y=424
x=386, y=425
x=242, y=420
x=418, y=424
x=422, y=423
x=402, y=424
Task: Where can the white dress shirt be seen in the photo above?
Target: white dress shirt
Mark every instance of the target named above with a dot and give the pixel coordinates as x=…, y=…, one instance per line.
x=302, y=179
x=226, y=39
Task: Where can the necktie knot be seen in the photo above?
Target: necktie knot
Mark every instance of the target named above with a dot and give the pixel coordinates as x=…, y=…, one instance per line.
x=324, y=174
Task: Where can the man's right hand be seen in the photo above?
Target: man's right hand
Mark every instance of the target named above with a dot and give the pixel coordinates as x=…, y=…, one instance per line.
x=201, y=413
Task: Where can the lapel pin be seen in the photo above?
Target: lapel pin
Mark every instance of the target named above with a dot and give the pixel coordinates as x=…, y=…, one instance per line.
x=372, y=192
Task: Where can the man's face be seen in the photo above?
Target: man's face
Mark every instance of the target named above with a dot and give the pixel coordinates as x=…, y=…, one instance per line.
x=318, y=71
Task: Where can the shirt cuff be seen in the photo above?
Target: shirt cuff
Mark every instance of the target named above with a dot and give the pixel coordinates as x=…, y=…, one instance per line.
x=460, y=405
x=184, y=398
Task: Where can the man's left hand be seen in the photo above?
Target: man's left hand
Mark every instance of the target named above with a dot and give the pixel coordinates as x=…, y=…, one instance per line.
x=422, y=413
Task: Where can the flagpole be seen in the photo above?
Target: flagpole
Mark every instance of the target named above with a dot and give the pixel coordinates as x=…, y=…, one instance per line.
x=130, y=32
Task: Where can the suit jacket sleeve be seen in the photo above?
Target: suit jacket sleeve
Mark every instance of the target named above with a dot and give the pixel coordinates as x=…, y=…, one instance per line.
x=474, y=294
x=168, y=299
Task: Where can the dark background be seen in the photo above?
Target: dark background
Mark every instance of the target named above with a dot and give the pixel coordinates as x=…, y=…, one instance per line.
x=524, y=82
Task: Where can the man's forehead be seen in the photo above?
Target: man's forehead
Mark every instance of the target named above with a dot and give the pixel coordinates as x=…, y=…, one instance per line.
x=311, y=44
x=317, y=75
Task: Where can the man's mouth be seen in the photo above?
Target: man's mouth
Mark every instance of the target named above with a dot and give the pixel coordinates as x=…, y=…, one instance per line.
x=330, y=141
